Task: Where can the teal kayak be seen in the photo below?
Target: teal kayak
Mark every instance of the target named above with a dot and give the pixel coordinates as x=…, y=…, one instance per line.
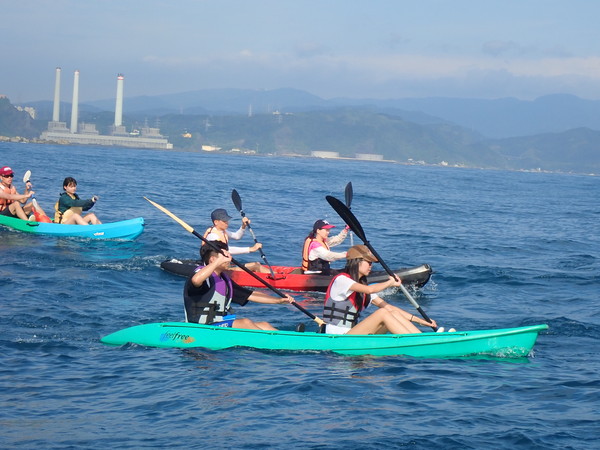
x=125, y=229
x=508, y=342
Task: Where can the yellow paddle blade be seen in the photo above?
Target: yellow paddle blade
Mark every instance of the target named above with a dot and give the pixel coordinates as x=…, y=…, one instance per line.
x=171, y=215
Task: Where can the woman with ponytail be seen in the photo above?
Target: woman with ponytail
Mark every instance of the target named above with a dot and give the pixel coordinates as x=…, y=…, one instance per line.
x=348, y=295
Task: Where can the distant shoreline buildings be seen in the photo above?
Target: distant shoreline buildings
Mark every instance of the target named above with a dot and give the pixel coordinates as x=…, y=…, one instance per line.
x=85, y=133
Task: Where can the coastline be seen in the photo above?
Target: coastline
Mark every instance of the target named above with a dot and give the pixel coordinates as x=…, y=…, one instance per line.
x=23, y=140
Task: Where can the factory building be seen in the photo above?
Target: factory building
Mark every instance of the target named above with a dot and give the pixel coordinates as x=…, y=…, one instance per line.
x=85, y=133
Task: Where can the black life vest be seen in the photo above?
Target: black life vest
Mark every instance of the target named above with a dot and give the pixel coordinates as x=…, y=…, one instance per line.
x=213, y=304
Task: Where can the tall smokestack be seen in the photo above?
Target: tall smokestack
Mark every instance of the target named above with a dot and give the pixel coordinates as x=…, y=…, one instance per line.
x=119, y=105
x=56, y=111
x=75, y=103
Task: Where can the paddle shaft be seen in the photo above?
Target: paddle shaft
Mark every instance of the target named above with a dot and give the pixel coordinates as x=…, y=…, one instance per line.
x=349, y=193
x=348, y=217
x=237, y=201
x=241, y=266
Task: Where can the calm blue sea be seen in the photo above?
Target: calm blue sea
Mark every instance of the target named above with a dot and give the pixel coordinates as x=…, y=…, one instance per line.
x=508, y=249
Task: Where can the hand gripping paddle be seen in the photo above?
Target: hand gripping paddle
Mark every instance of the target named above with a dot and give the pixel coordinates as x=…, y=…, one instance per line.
x=39, y=217
x=347, y=216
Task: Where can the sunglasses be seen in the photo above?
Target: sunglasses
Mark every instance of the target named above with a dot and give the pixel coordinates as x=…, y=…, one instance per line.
x=8, y=176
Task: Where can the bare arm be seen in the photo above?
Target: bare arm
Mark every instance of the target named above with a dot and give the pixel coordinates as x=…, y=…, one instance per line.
x=22, y=198
x=374, y=288
x=259, y=297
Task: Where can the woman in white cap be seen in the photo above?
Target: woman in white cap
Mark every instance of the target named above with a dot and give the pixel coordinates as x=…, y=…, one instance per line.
x=349, y=294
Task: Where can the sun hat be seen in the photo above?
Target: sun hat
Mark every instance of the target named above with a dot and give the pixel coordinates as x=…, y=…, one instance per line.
x=360, y=252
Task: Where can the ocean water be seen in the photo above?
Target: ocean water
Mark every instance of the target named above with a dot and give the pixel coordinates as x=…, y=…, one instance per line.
x=507, y=248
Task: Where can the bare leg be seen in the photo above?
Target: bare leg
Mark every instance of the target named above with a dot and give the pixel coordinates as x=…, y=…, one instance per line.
x=257, y=267
x=265, y=326
x=381, y=321
x=17, y=210
x=250, y=325
x=92, y=219
x=74, y=219
x=28, y=208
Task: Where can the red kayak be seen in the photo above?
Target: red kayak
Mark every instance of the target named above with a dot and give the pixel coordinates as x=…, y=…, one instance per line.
x=292, y=278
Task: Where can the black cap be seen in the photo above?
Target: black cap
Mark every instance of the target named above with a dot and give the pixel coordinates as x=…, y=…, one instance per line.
x=220, y=214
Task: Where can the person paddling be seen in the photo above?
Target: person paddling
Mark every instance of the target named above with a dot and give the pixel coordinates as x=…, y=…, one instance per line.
x=316, y=253
x=13, y=204
x=209, y=293
x=219, y=232
x=69, y=207
x=348, y=295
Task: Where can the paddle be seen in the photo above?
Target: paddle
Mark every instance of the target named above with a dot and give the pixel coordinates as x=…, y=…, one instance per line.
x=349, y=194
x=241, y=266
x=237, y=201
x=347, y=216
x=39, y=217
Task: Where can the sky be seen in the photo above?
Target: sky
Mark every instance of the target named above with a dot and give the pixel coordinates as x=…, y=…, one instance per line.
x=330, y=48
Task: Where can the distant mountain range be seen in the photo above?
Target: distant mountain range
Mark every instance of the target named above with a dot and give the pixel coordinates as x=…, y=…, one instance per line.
x=556, y=132
x=500, y=118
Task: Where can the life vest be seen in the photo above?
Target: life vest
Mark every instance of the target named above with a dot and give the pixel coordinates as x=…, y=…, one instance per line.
x=344, y=313
x=222, y=235
x=58, y=215
x=211, y=306
x=4, y=202
x=318, y=265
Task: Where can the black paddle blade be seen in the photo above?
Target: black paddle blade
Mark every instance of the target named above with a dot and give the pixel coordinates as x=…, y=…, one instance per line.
x=236, y=199
x=347, y=216
x=349, y=193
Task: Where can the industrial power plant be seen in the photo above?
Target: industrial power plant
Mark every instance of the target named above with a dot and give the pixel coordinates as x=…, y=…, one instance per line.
x=85, y=133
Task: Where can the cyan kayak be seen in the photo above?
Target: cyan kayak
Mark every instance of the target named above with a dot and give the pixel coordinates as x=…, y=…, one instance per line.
x=125, y=229
x=508, y=342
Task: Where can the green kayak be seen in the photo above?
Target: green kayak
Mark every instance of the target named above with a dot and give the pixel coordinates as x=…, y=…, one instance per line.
x=508, y=342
